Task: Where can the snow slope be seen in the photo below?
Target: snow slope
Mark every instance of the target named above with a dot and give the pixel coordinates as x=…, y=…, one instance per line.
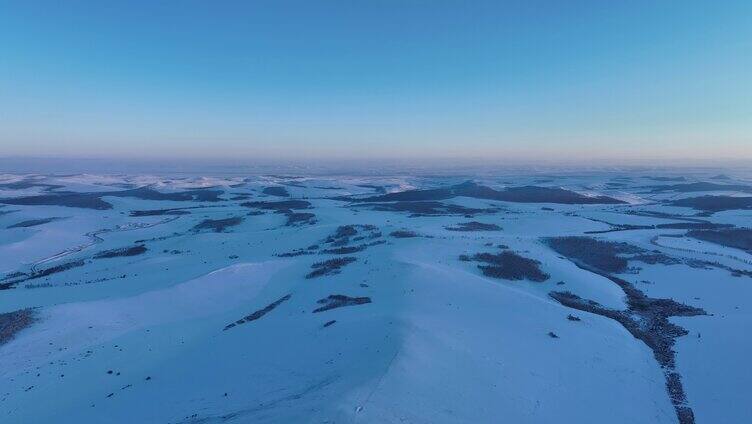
x=226, y=322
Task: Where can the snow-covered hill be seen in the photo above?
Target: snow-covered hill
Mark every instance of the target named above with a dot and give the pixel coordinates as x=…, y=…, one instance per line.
x=619, y=298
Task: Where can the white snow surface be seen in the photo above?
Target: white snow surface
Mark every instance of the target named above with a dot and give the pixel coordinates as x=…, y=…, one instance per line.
x=147, y=338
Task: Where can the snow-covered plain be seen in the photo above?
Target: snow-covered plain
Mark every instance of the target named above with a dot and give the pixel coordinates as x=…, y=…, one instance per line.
x=202, y=299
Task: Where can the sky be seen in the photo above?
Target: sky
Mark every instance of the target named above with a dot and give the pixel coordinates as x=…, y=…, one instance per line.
x=499, y=80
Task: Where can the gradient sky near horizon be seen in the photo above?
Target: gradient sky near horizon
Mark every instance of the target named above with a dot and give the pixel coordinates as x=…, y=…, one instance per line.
x=376, y=79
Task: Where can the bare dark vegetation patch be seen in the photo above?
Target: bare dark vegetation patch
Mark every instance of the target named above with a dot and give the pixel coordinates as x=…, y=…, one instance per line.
x=404, y=234
x=94, y=200
x=675, y=179
x=123, y=251
x=338, y=301
x=696, y=225
x=606, y=256
x=425, y=208
x=56, y=269
x=13, y=322
x=145, y=193
x=218, y=225
x=300, y=218
x=377, y=189
x=276, y=191
x=160, y=212
x=259, y=313
x=508, y=265
x=692, y=226
x=297, y=252
x=345, y=234
x=474, y=226
x=345, y=250
x=657, y=214
x=71, y=200
x=29, y=183
x=329, y=267
x=645, y=318
x=345, y=240
x=527, y=194
x=282, y=205
x=34, y=222
x=711, y=204
x=700, y=186
x=739, y=238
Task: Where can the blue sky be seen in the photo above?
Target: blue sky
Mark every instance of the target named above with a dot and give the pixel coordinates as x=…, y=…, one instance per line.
x=638, y=80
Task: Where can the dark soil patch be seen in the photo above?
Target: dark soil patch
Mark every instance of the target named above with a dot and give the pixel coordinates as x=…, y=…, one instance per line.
x=260, y=313
x=338, y=301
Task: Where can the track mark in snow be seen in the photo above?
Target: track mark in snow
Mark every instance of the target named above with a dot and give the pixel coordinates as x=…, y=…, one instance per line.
x=95, y=239
x=261, y=407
